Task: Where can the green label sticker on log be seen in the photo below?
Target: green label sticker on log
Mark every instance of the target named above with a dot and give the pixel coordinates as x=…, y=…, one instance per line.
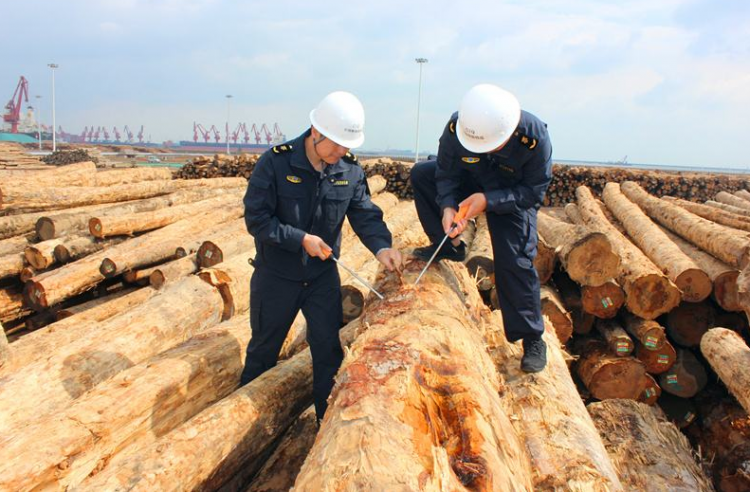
x=672, y=379
x=98, y=227
x=649, y=392
x=662, y=359
x=689, y=417
x=651, y=342
x=607, y=302
x=623, y=347
x=208, y=254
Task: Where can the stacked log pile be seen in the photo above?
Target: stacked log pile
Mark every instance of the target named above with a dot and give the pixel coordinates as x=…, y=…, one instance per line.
x=119, y=391
x=65, y=157
x=220, y=165
x=14, y=156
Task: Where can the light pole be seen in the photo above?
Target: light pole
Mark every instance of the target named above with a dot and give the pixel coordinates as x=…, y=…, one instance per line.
x=53, y=66
x=38, y=121
x=229, y=98
x=420, y=61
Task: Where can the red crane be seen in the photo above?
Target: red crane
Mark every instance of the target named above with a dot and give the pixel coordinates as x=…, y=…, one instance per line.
x=245, y=135
x=128, y=133
x=117, y=134
x=140, y=135
x=197, y=127
x=215, y=131
x=266, y=133
x=21, y=95
x=255, y=132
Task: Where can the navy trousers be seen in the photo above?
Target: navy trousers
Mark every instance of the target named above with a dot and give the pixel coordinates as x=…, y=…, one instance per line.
x=514, y=243
x=274, y=303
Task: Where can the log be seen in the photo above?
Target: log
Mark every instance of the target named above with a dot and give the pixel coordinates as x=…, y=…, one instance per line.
x=618, y=341
x=128, y=224
x=554, y=310
x=480, y=261
x=730, y=199
x=404, y=414
x=603, y=301
x=69, y=311
x=650, y=333
x=723, y=276
x=681, y=411
x=744, y=194
x=296, y=339
x=11, y=305
x=636, y=437
x=76, y=247
x=686, y=377
x=171, y=388
x=688, y=322
x=648, y=293
x=11, y=265
x=725, y=245
x=4, y=350
x=174, y=270
x=545, y=260
x=42, y=255
x=231, y=243
x=733, y=321
x=570, y=293
x=729, y=357
x=71, y=221
x=69, y=175
x=587, y=256
x=14, y=244
x=280, y=471
x=606, y=375
x=54, y=198
x=566, y=451
x=232, y=279
x=105, y=349
x=26, y=350
x=713, y=214
x=376, y=184
x=231, y=434
x=694, y=283
x=113, y=177
x=744, y=212
x=651, y=391
x=659, y=360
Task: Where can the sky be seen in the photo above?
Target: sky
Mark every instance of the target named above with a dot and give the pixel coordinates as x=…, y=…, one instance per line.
x=661, y=82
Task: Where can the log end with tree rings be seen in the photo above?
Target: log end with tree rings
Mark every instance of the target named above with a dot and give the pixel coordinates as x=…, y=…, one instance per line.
x=686, y=377
x=657, y=360
x=591, y=261
x=96, y=228
x=61, y=253
x=209, y=254
x=34, y=295
x=651, y=295
x=353, y=302
x=651, y=391
x=108, y=268
x=694, y=284
x=725, y=291
x=45, y=228
x=603, y=301
x=608, y=376
x=688, y=322
x=157, y=279
x=36, y=258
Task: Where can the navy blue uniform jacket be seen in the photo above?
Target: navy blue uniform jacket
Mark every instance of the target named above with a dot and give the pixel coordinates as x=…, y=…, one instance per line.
x=286, y=197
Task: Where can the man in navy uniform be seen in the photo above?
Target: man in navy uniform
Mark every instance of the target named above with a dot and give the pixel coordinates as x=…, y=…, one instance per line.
x=496, y=159
x=296, y=201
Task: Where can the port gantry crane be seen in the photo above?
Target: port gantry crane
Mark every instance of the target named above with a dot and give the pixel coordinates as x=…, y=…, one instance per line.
x=21, y=95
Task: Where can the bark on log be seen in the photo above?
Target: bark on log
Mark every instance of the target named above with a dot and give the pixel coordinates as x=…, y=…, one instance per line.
x=729, y=357
x=744, y=194
x=723, y=276
x=58, y=378
x=651, y=391
x=554, y=310
x=650, y=333
x=618, y=341
x=603, y=301
x=480, y=261
x=280, y=471
x=649, y=293
x=14, y=244
x=718, y=240
x=11, y=305
x=545, y=260
x=694, y=283
x=128, y=224
x=659, y=360
x=636, y=437
x=686, y=377
x=713, y=214
x=113, y=177
x=566, y=451
x=66, y=222
x=587, y=256
x=397, y=383
x=608, y=376
x=688, y=322
x=173, y=271
x=26, y=350
x=735, y=201
x=170, y=388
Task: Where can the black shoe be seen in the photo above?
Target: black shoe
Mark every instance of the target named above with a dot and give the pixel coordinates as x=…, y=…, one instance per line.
x=534, y=355
x=447, y=252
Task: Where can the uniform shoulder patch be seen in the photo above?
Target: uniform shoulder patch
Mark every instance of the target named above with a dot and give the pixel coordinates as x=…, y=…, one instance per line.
x=350, y=158
x=452, y=126
x=281, y=149
x=527, y=141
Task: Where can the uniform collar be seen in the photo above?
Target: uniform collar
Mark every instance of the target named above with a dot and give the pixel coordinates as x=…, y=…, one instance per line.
x=509, y=147
x=299, y=157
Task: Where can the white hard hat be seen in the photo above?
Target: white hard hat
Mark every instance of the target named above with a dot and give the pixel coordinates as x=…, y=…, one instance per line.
x=487, y=118
x=341, y=118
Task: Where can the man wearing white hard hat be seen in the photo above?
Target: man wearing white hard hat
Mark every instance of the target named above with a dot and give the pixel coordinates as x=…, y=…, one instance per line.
x=296, y=201
x=496, y=159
